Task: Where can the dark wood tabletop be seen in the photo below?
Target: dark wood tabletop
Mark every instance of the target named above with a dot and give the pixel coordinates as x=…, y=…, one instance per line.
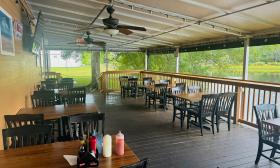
x=193, y=97
x=51, y=155
x=274, y=122
x=58, y=111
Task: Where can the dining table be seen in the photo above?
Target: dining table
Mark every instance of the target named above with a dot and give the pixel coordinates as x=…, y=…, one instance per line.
x=57, y=112
x=275, y=123
x=192, y=97
x=52, y=155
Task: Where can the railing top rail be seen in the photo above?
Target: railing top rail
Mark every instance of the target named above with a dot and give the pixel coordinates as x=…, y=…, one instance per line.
x=227, y=81
x=121, y=71
x=236, y=82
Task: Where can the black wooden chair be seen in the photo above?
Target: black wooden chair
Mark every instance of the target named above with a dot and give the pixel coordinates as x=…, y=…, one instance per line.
x=43, y=98
x=224, y=108
x=75, y=96
x=123, y=83
x=50, y=84
x=20, y=120
x=131, y=88
x=141, y=164
x=268, y=134
x=179, y=104
x=76, y=126
x=181, y=85
x=205, y=109
x=164, y=81
x=159, y=93
x=66, y=80
x=65, y=85
x=146, y=82
x=194, y=89
x=26, y=135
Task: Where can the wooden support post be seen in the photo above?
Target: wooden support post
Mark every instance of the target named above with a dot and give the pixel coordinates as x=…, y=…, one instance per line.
x=95, y=69
x=147, y=56
x=246, y=59
x=177, y=55
x=106, y=60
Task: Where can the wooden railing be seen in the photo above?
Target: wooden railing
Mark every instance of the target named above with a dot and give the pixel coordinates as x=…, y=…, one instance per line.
x=109, y=81
x=249, y=93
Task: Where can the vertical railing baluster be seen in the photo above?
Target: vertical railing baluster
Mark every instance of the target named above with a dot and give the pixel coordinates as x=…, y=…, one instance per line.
x=248, y=103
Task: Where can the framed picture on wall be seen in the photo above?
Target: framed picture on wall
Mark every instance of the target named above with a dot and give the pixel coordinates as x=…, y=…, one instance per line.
x=7, y=46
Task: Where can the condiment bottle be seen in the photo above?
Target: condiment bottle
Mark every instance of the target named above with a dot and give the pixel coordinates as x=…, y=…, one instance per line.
x=119, y=143
x=92, y=144
x=107, y=146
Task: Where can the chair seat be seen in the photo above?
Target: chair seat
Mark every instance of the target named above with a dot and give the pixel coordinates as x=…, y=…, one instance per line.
x=180, y=106
x=193, y=110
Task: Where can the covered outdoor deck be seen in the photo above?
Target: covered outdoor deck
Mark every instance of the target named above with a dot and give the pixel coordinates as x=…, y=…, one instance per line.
x=140, y=26
x=152, y=134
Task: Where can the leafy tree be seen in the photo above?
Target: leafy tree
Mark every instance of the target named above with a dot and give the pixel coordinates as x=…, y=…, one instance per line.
x=86, y=58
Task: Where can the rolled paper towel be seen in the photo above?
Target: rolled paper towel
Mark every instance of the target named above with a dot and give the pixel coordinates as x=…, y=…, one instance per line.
x=107, y=146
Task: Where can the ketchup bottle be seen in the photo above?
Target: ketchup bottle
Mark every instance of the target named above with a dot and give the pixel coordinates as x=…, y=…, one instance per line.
x=92, y=144
x=119, y=143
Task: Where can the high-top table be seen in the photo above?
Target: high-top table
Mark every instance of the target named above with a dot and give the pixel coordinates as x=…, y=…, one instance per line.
x=51, y=155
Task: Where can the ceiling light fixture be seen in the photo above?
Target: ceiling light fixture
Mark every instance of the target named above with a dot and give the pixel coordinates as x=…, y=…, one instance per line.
x=112, y=32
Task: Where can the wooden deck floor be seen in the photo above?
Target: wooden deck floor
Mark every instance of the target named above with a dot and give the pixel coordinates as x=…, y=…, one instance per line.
x=151, y=134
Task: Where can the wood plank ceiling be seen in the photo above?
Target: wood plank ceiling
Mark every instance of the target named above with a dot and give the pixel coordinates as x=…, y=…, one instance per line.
x=169, y=23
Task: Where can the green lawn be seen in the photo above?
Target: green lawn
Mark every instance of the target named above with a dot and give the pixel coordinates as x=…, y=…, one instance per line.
x=81, y=75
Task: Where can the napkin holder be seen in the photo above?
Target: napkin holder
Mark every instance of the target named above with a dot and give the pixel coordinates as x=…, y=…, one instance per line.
x=87, y=159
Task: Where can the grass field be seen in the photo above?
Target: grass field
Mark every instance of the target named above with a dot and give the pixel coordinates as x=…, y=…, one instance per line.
x=81, y=75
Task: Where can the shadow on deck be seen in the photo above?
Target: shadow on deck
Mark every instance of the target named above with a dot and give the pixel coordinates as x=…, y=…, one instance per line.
x=151, y=134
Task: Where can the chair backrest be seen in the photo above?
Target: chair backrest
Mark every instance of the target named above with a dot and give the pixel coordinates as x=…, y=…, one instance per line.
x=132, y=82
x=48, y=75
x=194, y=89
x=265, y=112
x=76, y=96
x=133, y=77
x=177, y=90
x=208, y=104
x=43, y=98
x=164, y=81
x=123, y=81
x=141, y=164
x=26, y=135
x=20, y=120
x=66, y=80
x=65, y=85
x=147, y=81
x=161, y=89
x=225, y=103
x=82, y=124
x=51, y=84
x=181, y=85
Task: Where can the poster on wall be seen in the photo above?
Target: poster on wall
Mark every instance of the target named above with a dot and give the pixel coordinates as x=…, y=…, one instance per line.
x=7, y=34
x=18, y=30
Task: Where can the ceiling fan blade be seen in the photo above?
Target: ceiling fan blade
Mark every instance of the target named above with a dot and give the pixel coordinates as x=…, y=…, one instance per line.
x=132, y=27
x=125, y=31
x=99, y=43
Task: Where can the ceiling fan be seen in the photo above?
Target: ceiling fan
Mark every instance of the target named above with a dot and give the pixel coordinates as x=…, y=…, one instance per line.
x=87, y=40
x=111, y=25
